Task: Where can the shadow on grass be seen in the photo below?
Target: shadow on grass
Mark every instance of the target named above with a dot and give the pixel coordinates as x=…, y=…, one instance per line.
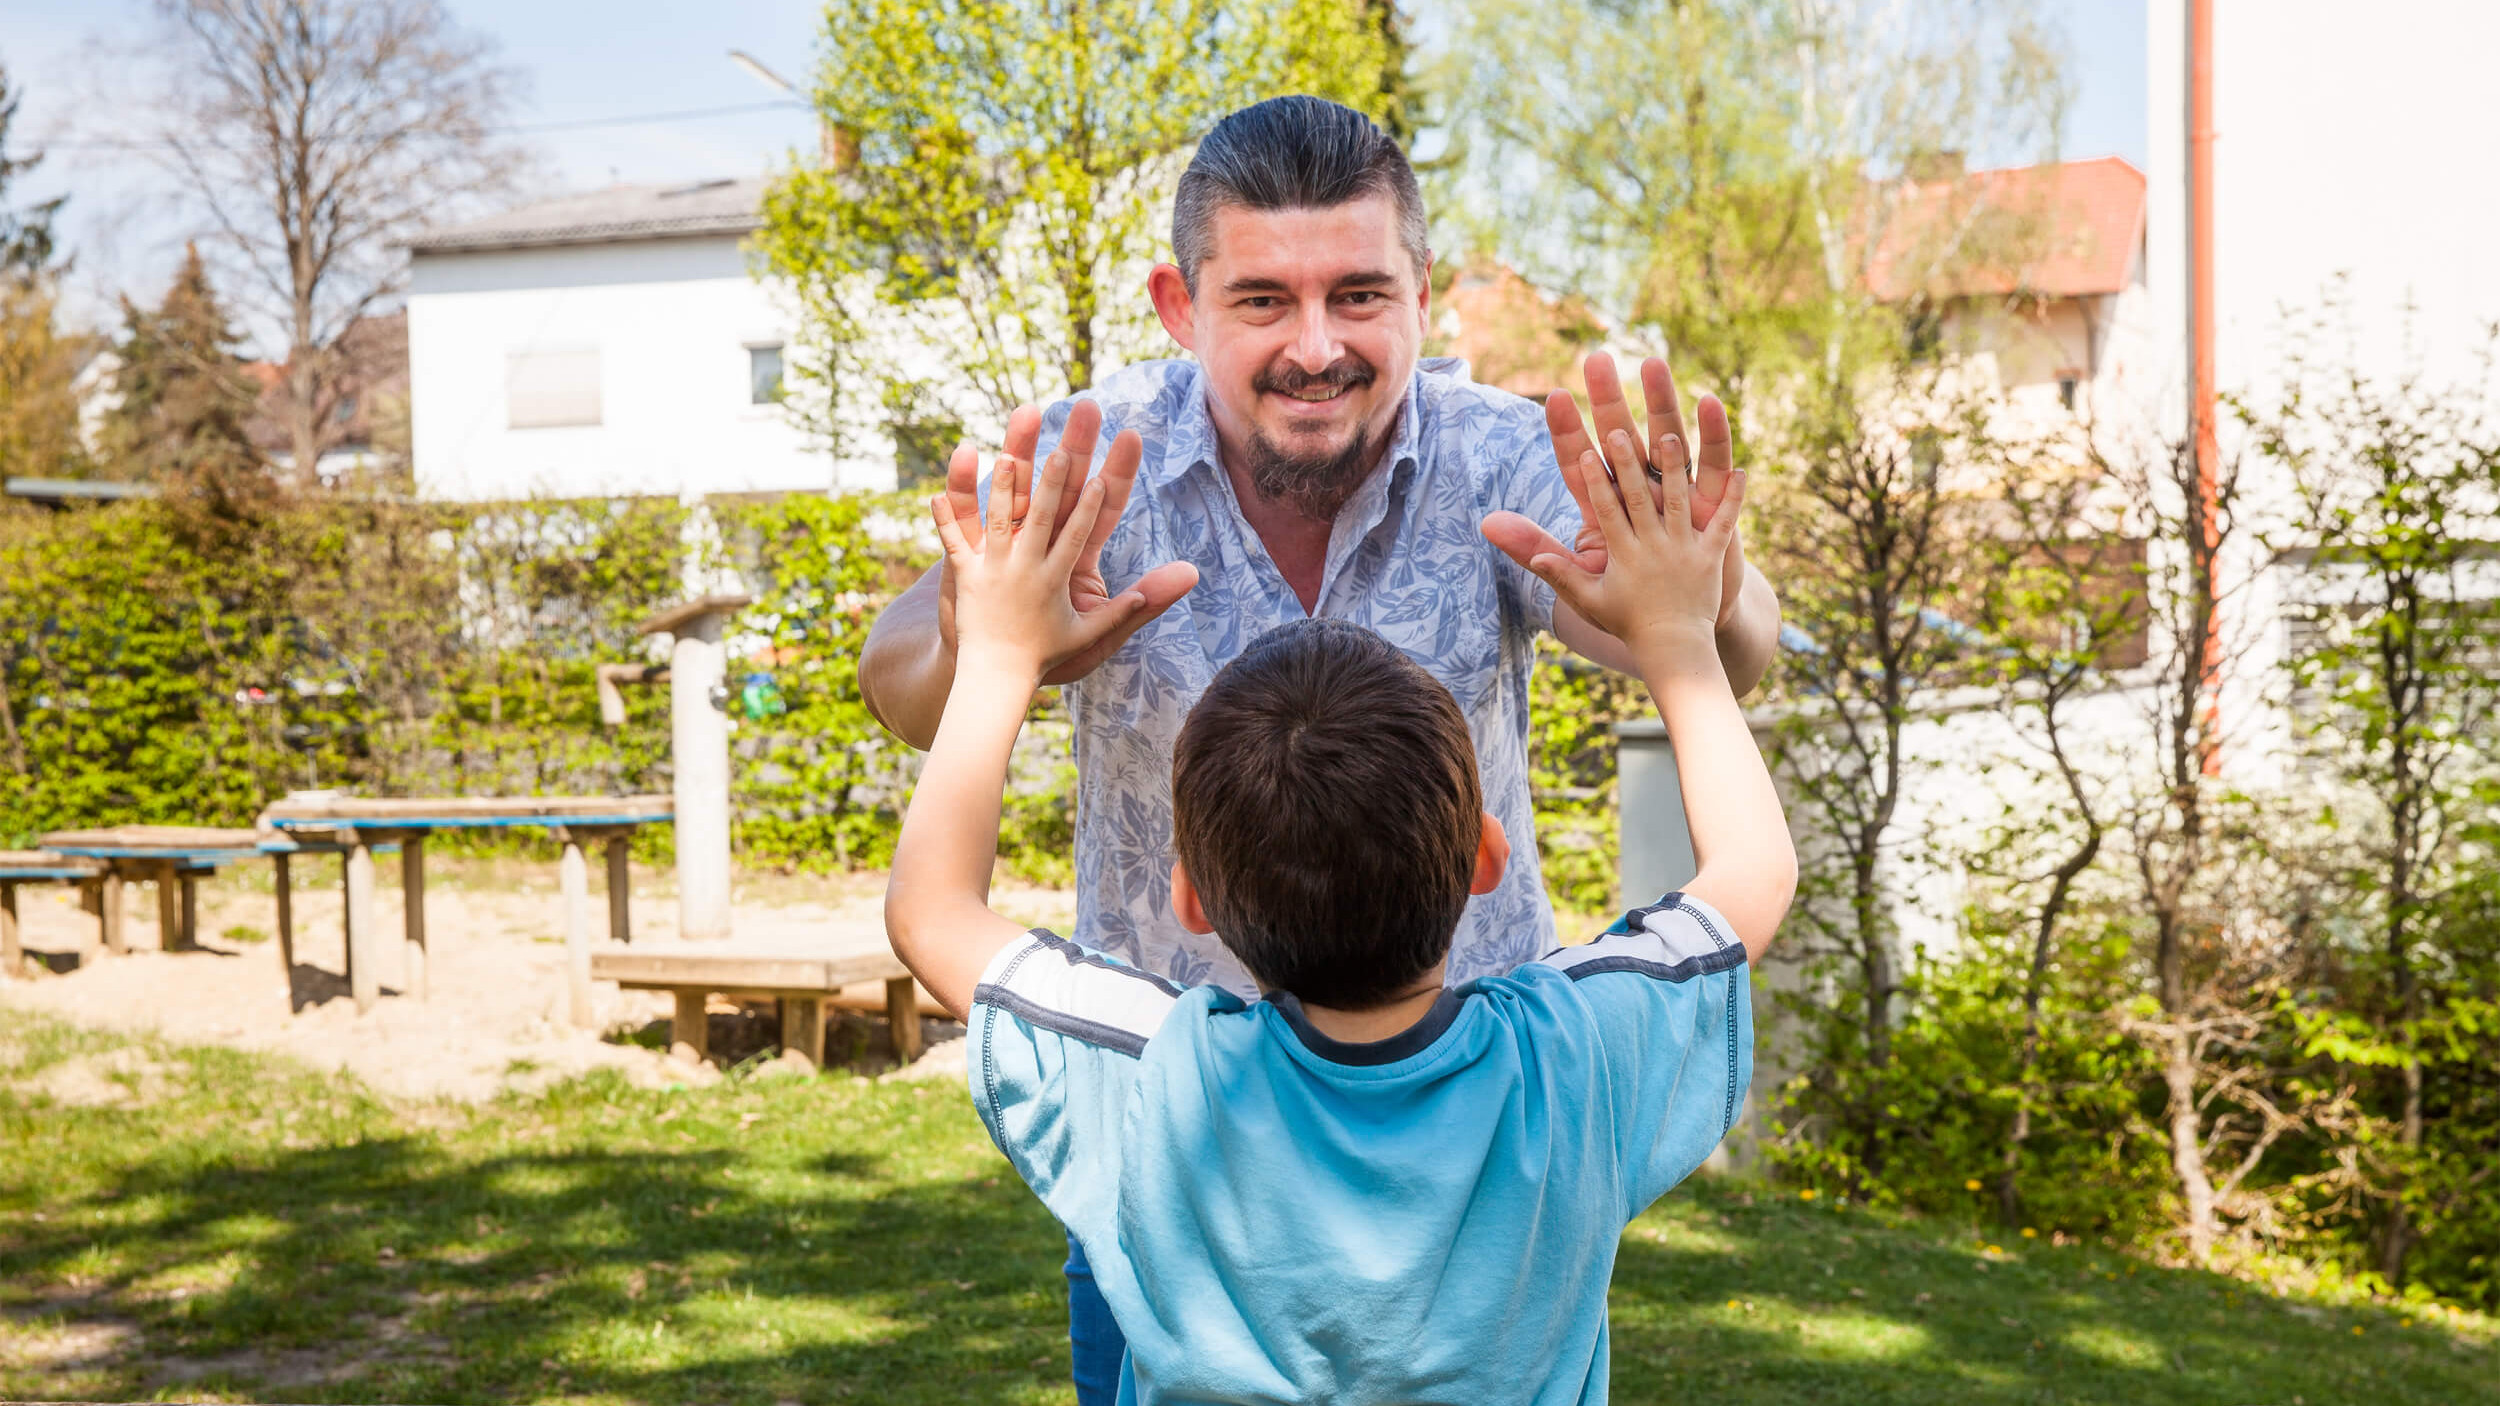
x=1778, y=1303
x=858, y=1247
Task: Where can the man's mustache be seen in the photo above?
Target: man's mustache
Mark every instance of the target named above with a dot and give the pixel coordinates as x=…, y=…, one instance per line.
x=1345, y=373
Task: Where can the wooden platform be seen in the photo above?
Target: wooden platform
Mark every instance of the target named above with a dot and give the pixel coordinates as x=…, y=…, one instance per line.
x=35, y=866
x=801, y=982
x=170, y=856
x=460, y=812
x=355, y=826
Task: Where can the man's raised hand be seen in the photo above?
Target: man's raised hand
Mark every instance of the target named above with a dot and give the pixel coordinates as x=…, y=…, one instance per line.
x=1073, y=457
x=1012, y=569
x=1615, y=445
x=1659, y=582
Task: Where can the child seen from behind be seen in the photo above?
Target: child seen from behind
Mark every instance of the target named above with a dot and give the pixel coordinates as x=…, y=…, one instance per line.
x=1367, y=1185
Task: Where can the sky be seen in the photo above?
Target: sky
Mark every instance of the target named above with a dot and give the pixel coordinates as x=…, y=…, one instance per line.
x=634, y=91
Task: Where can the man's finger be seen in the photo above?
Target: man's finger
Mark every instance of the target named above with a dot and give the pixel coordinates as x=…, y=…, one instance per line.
x=1076, y=441
x=1520, y=538
x=1717, y=459
x=1571, y=441
x=1119, y=475
x=1024, y=433
x=963, y=481
x=1611, y=415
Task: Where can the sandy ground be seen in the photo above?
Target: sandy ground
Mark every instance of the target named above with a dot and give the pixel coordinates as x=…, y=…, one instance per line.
x=495, y=1016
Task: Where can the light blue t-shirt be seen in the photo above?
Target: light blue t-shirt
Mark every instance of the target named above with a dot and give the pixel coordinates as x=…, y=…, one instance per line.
x=1275, y=1216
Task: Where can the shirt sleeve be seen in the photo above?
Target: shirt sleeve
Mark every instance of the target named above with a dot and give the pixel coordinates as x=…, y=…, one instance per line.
x=1673, y=999
x=1054, y=1038
x=1532, y=487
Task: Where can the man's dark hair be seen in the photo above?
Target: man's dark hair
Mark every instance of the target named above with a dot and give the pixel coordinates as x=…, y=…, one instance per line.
x=1292, y=153
x=1326, y=806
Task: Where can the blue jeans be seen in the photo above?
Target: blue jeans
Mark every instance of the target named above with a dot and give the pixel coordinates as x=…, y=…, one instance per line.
x=1096, y=1346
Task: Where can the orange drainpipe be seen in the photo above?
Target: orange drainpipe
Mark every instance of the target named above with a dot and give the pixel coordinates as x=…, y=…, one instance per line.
x=2201, y=308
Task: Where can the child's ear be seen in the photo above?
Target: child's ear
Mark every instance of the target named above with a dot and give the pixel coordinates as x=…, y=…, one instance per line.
x=1492, y=857
x=1185, y=903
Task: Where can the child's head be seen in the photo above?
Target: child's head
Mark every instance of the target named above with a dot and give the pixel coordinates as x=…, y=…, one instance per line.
x=1328, y=816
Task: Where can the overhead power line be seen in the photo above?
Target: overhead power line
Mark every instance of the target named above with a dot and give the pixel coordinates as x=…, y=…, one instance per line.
x=519, y=130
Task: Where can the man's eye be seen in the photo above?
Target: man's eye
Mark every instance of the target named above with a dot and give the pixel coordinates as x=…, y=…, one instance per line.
x=1364, y=299
x=1261, y=303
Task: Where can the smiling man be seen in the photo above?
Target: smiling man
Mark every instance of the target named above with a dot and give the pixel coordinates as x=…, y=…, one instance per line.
x=1305, y=461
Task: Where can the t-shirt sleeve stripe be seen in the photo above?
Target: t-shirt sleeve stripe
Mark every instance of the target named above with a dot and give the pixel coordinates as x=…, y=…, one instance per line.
x=1675, y=939
x=1053, y=984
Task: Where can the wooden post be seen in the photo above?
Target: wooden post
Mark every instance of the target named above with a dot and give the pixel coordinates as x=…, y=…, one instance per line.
x=364, y=972
x=190, y=910
x=575, y=876
x=11, y=954
x=620, y=889
x=412, y=908
x=286, y=920
x=109, y=917
x=902, y=1017
x=690, y=1030
x=168, y=908
x=699, y=759
x=803, y=1028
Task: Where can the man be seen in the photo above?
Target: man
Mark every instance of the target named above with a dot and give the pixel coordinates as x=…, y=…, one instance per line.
x=1300, y=464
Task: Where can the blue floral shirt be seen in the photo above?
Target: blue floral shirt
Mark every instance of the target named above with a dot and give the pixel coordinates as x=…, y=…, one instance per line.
x=1406, y=559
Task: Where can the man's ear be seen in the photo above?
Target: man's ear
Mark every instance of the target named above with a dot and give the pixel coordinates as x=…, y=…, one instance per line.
x=1169, y=292
x=1492, y=857
x=1185, y=903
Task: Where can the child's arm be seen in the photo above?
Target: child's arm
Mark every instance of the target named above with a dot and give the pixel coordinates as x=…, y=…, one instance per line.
x=1013, y=624
x=1659, y=594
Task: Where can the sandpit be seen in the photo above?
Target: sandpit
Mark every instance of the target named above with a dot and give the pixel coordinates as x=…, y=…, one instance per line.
x=496, y=1016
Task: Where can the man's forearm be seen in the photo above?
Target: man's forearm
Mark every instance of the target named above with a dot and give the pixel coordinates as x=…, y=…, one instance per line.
x=905, y=669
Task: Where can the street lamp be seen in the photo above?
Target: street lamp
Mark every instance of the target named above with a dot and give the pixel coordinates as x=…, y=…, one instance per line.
x=836, y=148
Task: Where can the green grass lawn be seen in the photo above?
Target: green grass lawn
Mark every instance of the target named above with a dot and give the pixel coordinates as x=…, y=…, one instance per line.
x=239, y=1229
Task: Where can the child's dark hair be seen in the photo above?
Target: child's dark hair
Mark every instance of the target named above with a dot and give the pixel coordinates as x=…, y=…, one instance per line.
x=1326, y=806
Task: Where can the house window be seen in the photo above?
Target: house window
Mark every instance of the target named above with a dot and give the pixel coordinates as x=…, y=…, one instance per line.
x=552, y=388
x=2067, y=381
x=764, y=375
x=921, y=449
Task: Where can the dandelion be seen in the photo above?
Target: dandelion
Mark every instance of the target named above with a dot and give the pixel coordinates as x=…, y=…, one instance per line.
x=1971, y=1185
x=2030, y=1234
x=1806, y=1195
x=2356, y=1330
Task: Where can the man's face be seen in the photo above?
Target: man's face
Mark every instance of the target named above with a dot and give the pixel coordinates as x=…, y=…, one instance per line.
x=1307, y=324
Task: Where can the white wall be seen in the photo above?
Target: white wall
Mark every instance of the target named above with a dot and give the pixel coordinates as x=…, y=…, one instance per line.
x=672, y=320
x=2348, y=140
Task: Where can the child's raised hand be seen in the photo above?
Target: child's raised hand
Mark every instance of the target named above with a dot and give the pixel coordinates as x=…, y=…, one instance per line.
x=1011, y=578
x=1662, y=578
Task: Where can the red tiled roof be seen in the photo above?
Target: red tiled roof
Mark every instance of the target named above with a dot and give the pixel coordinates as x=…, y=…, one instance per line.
x=2071, y=229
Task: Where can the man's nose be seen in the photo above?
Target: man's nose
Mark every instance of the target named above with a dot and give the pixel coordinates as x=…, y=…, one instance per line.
x=1315, y=345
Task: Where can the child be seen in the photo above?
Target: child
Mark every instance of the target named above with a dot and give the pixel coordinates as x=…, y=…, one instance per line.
x=1365, y=1186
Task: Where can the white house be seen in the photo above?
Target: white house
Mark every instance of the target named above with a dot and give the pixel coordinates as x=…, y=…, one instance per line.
x=611, y=343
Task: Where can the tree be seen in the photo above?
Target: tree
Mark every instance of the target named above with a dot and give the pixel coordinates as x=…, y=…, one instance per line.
x=2396, y=481
x=183, y=397
x=38, y=363
x=1000, y=165
x=25, y=236
x=1719, y=174
x=1872, y=545
x=311, y=135
x=2061, y=600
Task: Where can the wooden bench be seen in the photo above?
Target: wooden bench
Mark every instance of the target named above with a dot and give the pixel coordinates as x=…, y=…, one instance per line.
x=357, y=827
x=24, y=866
x=801, y=983
x=173, y=857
